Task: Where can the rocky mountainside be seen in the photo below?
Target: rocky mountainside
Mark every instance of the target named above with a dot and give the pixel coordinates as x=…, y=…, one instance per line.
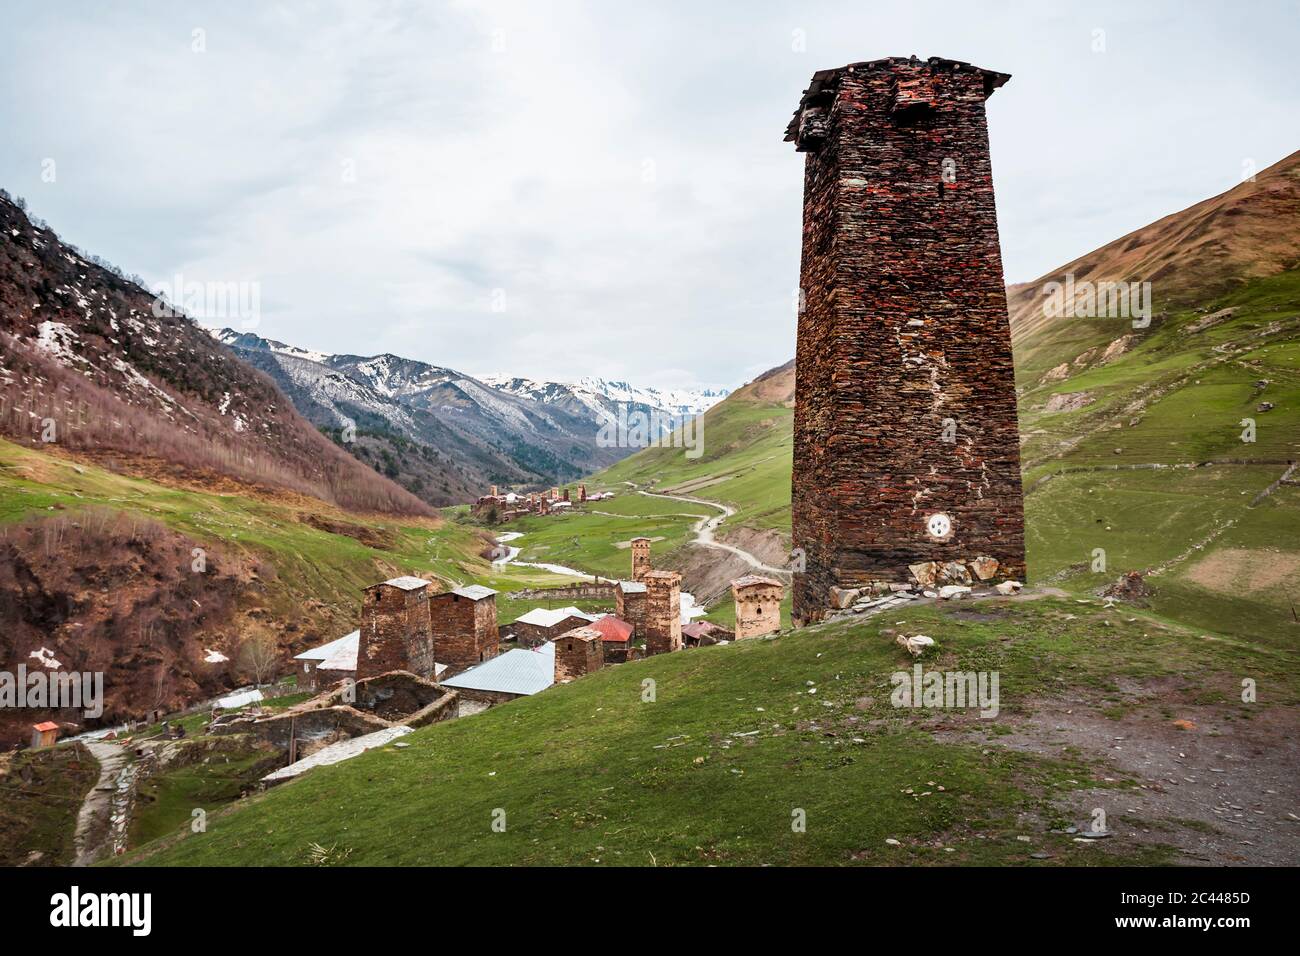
x=447, y=435
x=90, y=361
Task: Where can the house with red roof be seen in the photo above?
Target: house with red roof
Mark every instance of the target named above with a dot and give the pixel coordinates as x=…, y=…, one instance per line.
x=615, y=637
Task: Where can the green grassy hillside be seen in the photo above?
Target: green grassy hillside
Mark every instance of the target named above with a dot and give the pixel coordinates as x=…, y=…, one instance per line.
x=314, y=559
x=1153, y=470
x=740, y=737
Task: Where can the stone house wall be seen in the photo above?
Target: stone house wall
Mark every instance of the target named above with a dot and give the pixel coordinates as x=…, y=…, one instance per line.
x=395, y=631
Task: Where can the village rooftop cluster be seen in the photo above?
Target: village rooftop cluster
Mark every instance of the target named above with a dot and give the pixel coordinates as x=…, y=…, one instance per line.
x=495, y=507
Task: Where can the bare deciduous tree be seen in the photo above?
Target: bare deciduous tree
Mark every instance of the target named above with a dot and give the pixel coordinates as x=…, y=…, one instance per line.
x=259, y=657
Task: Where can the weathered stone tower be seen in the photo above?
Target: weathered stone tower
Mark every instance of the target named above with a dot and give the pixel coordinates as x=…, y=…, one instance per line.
x=906, y=446
x=758, y=605
x=395, y=629
x=640, y=558
x=663, y=612
x=464, y=627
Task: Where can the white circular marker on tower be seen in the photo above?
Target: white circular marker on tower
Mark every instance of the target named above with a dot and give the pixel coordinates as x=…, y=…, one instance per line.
x=938, y=525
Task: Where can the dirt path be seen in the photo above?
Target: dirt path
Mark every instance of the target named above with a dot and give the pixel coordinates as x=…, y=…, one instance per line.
x=93, y=820
x=706, y=527
x=1219, y=789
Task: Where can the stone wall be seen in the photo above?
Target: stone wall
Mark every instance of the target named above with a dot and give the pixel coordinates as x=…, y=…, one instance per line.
x=395, y=631
x=464, y=630
x=905, y=434
x=663, y=612
x=597, y=591
x=578, y=652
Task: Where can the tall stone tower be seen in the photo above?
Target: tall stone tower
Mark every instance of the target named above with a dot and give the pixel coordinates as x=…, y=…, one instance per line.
x=663, y=612
x=906, y=447
x=640, y=558
x=396, y=632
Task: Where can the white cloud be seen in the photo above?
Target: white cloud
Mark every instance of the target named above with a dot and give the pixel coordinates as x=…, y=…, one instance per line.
x=617, y=171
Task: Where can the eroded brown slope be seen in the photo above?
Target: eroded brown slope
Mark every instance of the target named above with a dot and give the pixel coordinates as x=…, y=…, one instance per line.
x=86, y=361
x=1250, y=231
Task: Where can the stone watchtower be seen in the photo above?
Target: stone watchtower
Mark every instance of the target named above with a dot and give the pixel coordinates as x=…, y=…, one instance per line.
x=396, y=632
x=906, y=448
x=663, y=612
x=640, y=558
x=464, y=626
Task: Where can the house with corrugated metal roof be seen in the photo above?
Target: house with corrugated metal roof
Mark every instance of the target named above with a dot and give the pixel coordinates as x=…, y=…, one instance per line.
x=518, y=673
x=338, y=659
x=616, y=637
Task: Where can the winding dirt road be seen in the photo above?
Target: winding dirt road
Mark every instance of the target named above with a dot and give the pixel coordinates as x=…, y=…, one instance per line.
x=706, y=527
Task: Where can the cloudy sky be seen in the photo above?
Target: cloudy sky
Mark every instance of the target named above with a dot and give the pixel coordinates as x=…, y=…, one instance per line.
x=568, y=189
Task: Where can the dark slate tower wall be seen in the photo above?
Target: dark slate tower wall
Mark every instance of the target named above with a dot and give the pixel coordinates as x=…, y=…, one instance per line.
x=904, y=327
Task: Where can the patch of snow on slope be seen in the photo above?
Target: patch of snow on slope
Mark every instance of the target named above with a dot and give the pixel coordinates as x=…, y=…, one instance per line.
x=46, y=658
x=57, y=339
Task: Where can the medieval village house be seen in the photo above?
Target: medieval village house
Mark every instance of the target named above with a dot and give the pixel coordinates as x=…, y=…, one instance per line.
x=543, y=624
x=329, y=663
x=578, y=652
x=616, y=636
x=629, y=605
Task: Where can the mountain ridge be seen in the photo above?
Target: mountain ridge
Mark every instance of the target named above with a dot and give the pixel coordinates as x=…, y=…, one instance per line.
x=516, y=432
x=90, y=361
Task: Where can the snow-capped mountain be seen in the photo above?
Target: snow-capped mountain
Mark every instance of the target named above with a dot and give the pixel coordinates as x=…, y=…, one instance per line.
x=604, y=396
x=491, y=430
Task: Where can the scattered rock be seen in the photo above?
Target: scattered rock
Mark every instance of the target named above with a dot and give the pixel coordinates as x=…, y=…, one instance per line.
x=1069, y=401
x=1008, y=587
x=843, y=597
x=984, y=567
x=953, y=591
x=1057, y=374
x=925, y=573
x=916, y=644
x=1118, y=347
x=1130, y=588
x=953, y=572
